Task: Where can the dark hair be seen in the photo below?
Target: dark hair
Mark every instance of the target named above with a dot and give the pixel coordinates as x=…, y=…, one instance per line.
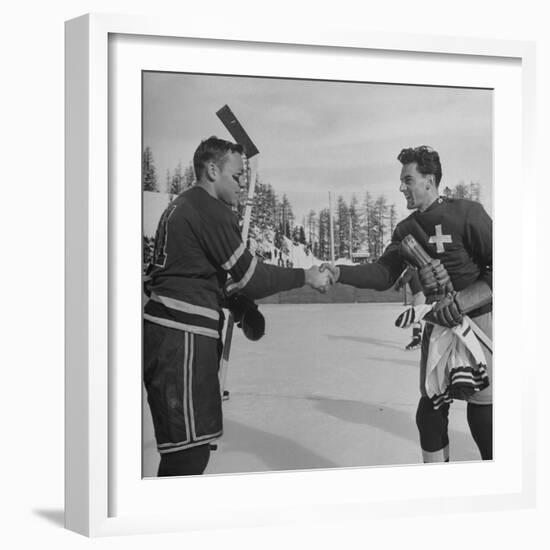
x=427, y=160
x=213, y=149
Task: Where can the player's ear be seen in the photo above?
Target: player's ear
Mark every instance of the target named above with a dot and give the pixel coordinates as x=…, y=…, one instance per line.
x=211, y=171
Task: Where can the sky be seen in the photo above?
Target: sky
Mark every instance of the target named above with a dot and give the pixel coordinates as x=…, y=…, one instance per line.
x=317, y=137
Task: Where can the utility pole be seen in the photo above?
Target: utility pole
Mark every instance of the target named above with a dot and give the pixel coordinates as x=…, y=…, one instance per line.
x=331, y=228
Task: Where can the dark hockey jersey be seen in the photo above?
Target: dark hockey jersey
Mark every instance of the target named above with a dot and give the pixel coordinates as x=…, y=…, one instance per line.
x=459, y=232
x=198, y=256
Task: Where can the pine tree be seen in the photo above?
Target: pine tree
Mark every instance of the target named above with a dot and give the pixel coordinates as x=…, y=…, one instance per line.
x=461, y=190
x=368, y=237
x=323, y=249
x=176, y=185
x=188, y=178
x=354, y=225
x=312, y=228
x=148, y=171
x=392, y=218
x=168, y=181
x=264, y=207
x=315, y=249
x=278, y=240
x=286, y=216
x=380, y=213
x=296, y=234
x=475, y=191
x=341, y=231
x=302, y=235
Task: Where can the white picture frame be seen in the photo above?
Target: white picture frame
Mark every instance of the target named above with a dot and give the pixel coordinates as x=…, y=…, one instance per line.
x=104, y=499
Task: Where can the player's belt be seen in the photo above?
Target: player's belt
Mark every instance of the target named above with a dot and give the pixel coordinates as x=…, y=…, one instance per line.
x=183, y=315
x=431, y=298
x=487, y=308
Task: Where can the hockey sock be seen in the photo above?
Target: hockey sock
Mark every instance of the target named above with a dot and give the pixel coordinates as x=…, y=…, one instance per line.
x=480, y=420
x=433, y=430
x=189, y=462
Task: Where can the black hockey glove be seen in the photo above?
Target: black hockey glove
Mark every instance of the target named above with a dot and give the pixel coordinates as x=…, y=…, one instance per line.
x=446, y=312
x=247, y=316
x=434, y=278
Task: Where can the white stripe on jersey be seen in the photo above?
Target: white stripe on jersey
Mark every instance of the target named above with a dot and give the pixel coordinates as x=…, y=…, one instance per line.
x=234, y=258
x=186, y=307
x=239, y=285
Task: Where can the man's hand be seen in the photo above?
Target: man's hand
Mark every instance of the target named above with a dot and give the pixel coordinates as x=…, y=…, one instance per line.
x=319, y=279
x=434, y=278
x=247, y=316
x=446, y=312
x=333, y=269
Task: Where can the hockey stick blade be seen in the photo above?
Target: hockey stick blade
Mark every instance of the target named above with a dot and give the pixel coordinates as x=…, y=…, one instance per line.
x=234, y=127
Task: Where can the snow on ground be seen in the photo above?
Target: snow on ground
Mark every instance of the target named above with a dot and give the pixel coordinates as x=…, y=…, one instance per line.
x=329, y=385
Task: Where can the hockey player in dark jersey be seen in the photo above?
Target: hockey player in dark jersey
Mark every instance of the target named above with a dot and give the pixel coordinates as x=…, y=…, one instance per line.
x=457, y=234
x=199, y=264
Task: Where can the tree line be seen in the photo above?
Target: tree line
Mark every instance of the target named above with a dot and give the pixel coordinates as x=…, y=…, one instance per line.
x=362, y=227
x=175, y=182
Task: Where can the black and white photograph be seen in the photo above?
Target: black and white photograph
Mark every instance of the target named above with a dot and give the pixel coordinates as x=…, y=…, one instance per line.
x=250, y=305
x=317, y=274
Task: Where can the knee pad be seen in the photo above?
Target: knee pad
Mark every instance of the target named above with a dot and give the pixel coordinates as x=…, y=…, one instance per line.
x=433, y=430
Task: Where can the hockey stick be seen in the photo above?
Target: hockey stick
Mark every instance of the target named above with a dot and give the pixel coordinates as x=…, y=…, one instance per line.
x=234, y=127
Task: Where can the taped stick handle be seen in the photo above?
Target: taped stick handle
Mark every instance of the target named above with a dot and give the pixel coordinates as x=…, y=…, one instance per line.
x=415, y=253
x=253, y=175
x=415, y=250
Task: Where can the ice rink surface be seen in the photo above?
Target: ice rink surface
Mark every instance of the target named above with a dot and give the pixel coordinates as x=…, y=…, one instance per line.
x=328, y=386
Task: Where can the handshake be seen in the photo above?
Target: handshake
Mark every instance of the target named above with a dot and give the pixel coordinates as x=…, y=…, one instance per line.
x=249, y=318
x=322, y=277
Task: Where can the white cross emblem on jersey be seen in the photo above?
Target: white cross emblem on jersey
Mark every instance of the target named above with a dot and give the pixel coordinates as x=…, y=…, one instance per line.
x=439, y=239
